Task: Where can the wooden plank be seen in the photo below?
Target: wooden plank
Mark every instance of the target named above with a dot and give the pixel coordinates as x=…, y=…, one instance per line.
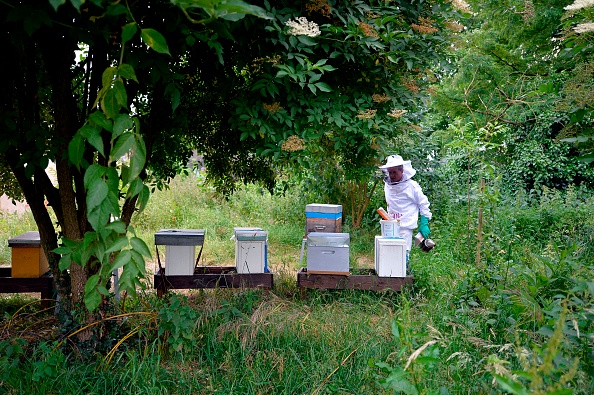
x=44, y=284
x=364, y=280
x=213, y=277
x=329, y=272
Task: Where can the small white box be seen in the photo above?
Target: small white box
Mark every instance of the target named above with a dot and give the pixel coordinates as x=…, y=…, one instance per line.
x=180, y=249
x=390, y=257
x=180, y=260
x=251, y=250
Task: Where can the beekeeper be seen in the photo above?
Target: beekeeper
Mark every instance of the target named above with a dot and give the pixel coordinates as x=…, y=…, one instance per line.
x=405, y=198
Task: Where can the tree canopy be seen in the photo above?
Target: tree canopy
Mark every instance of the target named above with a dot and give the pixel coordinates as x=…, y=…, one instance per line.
x=118, y=95
x=524, y=72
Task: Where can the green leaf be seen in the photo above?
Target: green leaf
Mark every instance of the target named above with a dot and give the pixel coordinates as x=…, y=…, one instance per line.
x=136, y=187
x=511, y=386
x=92, y=300
x=96, y=193
x=98, y=118
x=155, y=40
x=143, y=198
x=98, y=217
x=121, y=123
x=102, y=290
x=118, y=245
x=96, y=141
x=140, y=246
x=108, y=76
x=76, y=149
x=128, y=31
x=137, y=158
x=57, y=3
x=110, y=104
x=122, y=146
x=122, y=259
x=62, y=250
x=117, y=226
x=396, y=329
x=88, y=240
x=307, y=40
x=320, y=62
x=65, y=262
x=91, y=283
x=174, y=94
x=588, y=158
x=127, y=71
x=227, y=9
x=120, y=94
x=139, y=261
x=77, y=3
x=93, y=173
x=323, y=87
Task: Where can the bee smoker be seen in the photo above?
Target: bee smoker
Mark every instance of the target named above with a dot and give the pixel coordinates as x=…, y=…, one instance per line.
x=424, y=244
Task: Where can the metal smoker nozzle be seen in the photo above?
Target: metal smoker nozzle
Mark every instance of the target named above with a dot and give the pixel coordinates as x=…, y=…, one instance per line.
x=424, y=244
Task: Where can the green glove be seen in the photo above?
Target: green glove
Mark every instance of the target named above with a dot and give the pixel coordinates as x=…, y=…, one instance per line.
x=424, y=227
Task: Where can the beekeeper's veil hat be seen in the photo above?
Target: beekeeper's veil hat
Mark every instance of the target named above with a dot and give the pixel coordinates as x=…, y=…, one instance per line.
x=396, y=160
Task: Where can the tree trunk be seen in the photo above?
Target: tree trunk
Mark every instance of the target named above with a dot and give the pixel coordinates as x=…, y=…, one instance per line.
x=58, y=55
x=359, y=196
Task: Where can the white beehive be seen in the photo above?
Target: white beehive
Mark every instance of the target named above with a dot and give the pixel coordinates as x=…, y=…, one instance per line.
x=251, y=250
x=390, y=257
x=180, y=249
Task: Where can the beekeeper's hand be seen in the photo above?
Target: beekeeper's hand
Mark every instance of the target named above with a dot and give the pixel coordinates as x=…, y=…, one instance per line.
x=424, y=227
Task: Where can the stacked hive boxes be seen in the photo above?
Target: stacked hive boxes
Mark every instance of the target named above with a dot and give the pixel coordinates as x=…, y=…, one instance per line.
x=327, y=248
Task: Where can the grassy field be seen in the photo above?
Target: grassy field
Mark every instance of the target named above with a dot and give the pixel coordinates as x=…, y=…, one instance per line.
x=518, y=321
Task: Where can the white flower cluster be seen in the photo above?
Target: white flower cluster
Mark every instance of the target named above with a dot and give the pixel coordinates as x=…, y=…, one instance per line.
x=584, y=28
x=579, y=4
x=301, y=26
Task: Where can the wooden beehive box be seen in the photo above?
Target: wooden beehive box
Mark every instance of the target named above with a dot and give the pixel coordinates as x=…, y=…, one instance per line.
x=28, y=258
x=323, y=218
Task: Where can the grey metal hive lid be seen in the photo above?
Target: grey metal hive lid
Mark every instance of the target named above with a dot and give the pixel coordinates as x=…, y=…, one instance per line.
x=179, y=237
x=30, y=238
x=328, y=239
x=323, y=208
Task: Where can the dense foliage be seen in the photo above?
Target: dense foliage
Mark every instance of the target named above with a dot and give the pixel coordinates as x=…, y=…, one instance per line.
x=523, y=75
x=119, y=95
x=521, y=322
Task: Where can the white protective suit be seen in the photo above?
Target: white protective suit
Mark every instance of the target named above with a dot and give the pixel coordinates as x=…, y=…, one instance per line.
x=406, y=198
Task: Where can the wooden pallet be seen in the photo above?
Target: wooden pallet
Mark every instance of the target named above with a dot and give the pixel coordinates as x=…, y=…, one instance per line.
x=364, y=279
x=44, y=284
x=212, y=277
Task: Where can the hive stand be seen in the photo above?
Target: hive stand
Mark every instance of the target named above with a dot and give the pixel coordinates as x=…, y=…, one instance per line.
x=212, y=277
x=364, y=279
x=44, y=284
x=202, y=276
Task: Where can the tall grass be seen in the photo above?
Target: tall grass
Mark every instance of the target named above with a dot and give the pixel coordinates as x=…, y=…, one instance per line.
x=519, y=321
x=12, y=225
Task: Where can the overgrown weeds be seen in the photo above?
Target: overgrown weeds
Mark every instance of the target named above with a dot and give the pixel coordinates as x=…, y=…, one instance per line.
x=520, y=321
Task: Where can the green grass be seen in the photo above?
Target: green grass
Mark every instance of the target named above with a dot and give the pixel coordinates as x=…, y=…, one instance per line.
x=457, y=330
x=13, y=225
